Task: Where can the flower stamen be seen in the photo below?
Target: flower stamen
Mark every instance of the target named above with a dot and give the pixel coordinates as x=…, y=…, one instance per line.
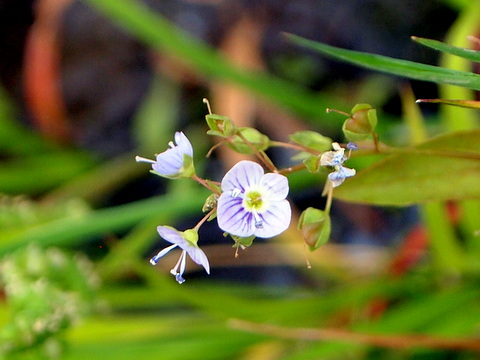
x=145, y=160
x=236, y=192
x=154, y=260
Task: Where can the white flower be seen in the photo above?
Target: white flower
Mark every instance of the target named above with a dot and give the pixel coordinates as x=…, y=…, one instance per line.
x=336, y=159
x=252, y=202
x=175, y=162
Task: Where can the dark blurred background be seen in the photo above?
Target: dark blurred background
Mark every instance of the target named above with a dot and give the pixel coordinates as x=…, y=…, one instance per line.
x=104, y=74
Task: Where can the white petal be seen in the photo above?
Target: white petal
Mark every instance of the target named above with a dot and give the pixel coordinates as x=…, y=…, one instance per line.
x=184, y=145
x=199, y=257
x=276, y=185
x=336, y=146
x=275, y=220
x=173, y=236
x=169, y=163
x=347, y=172
x=242, y=175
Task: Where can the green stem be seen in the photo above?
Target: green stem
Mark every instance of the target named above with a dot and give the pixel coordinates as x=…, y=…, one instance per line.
x=260, y=154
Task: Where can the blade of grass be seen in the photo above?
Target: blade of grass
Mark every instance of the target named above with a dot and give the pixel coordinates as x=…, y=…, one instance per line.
x=72, y=231
x=468, y=54
x=404, y=68
x=455, y=118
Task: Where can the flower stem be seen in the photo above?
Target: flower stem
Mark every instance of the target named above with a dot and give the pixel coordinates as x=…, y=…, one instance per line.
x=260, y=154
x=329, y=190
x=293, y=146
x=291, y=169
x=205, y=183
x=205, y=218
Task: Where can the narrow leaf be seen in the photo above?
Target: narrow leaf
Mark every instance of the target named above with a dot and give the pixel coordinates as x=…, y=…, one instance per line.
x=468, y=54
x=405, y=68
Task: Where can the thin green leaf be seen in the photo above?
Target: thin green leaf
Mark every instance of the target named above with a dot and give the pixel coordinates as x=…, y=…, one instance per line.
x=48, y=170
x=468, y=54
x=444, y=168
x=76, y=230
x=405, y=68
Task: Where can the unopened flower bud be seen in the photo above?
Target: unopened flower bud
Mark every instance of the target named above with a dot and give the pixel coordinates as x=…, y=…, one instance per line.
x=315, y=227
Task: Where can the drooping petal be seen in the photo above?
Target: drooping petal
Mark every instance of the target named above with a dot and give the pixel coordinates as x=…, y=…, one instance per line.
x=199, y=257
x=338, y=177
x=232, y=216
x=179, y=239
x=242, y=175
x=172, y=236
x=276, y=185
x=275, y=220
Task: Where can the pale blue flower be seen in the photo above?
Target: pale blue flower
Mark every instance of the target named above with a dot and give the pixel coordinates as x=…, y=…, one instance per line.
x=335, y=159
x=252, y=202
x=175, y=162
x=340, y=174
x=187, y=241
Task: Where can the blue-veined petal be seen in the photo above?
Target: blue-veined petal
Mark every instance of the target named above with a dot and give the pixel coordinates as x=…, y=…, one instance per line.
x=232, y=217
x=275, y=220
x=276, y=185
x=242, y=175
x=253, y=203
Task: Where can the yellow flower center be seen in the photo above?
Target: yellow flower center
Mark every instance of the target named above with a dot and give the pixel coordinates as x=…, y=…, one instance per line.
x=253, y=200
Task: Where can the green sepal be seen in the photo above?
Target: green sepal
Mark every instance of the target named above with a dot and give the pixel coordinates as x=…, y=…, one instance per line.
x=243, y=241
x=353, y=136
x=258, y=140
x=188, y=169
x=220, y=125
x=312, y=164
x=210, y=203
x=312, y=140
x=191, y=235
x=315, y=226
x=361, y=124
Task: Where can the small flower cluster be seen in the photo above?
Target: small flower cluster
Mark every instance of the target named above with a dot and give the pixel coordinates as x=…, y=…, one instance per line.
x=248, y=202
x=251, y=203
x=336, y=159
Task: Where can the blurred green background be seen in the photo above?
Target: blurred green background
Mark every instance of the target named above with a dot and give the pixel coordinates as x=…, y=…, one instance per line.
x=87, y=85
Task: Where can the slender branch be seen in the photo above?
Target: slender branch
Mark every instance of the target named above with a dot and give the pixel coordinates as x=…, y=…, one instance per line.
x=380, y=340
x=205, y=218
x=274, y=143
x=205, y=183
x=261, y=155
x=329, y=189
x=291, y=169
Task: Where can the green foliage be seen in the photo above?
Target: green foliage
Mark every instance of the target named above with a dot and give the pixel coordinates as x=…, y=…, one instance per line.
x=444, y=168
x=311, y=140
x=405, y=68
x=57, y=199
x=47, y=291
